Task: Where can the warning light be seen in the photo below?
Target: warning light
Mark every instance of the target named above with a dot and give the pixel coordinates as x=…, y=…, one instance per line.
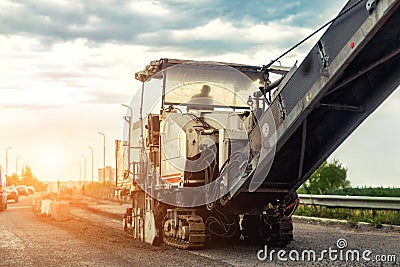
x=351, y=44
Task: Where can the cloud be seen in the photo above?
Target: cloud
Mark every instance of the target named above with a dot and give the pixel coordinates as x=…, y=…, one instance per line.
x=107, y=98
x=66, y=52
x=150, y=8
x=205, y=25
x=219, y=36
x=69, y=66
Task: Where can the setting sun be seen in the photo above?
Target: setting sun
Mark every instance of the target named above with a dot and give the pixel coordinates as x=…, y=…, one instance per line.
x=51, y=157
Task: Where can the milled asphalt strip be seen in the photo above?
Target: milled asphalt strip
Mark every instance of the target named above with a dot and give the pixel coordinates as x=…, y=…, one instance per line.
x=84, y=214
x=8, y=240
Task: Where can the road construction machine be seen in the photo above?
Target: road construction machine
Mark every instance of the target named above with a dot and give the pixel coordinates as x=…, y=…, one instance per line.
x=218, y=150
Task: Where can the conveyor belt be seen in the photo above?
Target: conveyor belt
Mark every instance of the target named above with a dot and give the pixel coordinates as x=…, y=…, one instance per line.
x=352, y=69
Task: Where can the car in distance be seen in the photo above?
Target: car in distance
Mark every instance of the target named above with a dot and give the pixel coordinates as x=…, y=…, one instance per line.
x=3, y=192
x=12, y=193
x=22, y=190
x=31, y=189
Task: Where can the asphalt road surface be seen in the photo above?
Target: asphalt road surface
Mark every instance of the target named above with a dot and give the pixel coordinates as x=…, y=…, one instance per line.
x=93, y=239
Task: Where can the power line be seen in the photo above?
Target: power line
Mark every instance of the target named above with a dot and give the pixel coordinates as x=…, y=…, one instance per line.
x=312, y=34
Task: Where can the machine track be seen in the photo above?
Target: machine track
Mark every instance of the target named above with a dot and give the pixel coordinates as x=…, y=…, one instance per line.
x=182, y=244
x=184, y=231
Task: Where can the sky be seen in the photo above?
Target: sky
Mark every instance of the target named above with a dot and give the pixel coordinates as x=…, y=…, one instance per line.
x=67, y=66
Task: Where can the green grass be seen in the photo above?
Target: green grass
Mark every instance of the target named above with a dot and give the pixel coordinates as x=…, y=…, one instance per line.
x=376, y=217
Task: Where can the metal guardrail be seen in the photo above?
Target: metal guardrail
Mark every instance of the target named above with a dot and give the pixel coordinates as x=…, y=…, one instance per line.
x=353, y=202
x=105, y=193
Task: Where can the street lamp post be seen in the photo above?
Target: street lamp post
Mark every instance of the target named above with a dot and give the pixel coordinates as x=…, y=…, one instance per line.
x=84, y=169
x=128, y=119
x=117, y=144
x=104, y=157
x=91, y=148
x=8, y=148
x=16, y=167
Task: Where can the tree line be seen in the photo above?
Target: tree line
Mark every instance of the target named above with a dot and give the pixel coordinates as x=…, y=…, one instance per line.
x=27, y=178
x=331, y=179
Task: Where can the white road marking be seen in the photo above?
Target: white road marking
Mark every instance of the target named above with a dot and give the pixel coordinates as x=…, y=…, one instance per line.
x=9, y=240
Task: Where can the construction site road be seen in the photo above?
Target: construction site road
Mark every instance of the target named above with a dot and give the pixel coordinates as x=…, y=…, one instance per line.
x=94, y=237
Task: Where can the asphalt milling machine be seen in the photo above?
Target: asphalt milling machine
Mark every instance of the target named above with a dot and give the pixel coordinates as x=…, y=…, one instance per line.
x=218, y=150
